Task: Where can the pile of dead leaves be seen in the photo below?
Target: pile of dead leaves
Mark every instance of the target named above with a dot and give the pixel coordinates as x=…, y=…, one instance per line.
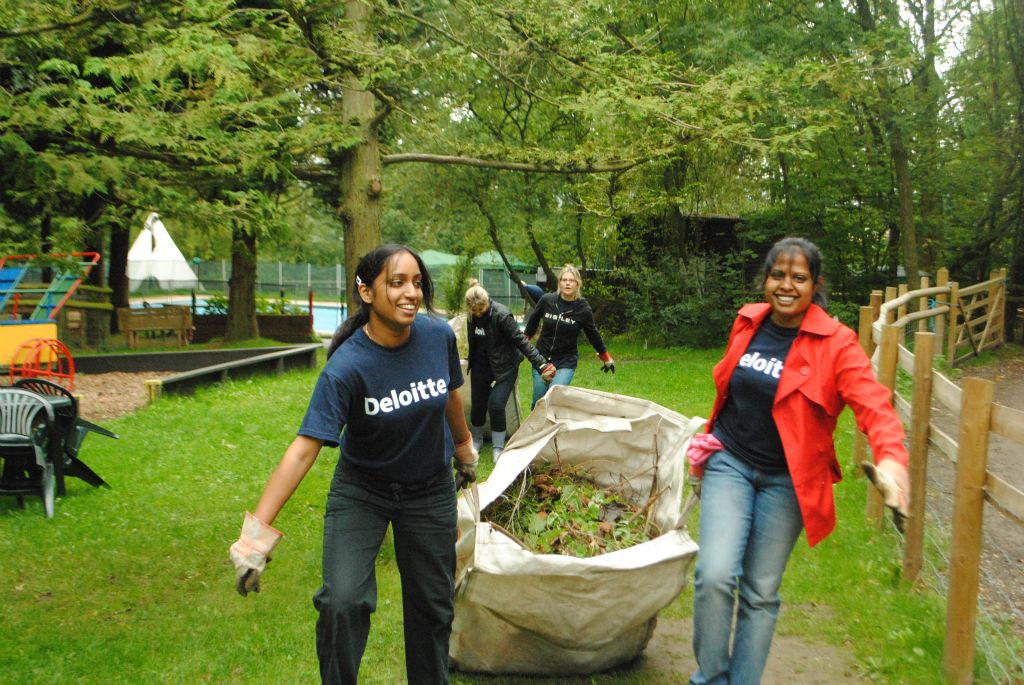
x=554, y=509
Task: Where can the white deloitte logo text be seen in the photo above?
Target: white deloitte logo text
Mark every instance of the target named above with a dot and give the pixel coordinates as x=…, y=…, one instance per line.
x=417, y=392
x=769, y=367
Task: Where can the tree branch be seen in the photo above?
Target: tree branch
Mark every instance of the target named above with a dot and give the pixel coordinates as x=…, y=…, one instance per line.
x=609, y=167
x=477, y=53
x=82, y=18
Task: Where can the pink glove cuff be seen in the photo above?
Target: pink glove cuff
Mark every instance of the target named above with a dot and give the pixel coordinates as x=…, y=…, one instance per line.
x=259, y=536
x=702, y=446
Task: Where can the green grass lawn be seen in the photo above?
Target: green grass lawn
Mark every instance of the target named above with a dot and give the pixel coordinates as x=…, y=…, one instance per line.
x=133, y=584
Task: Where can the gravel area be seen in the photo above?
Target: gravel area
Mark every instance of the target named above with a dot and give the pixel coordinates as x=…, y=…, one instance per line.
x=106, y=396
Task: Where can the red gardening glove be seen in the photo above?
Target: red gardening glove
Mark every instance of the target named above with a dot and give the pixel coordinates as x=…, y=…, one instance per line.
x=548, y=372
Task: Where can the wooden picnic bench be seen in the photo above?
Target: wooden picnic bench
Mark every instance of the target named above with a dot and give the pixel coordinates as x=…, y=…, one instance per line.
x=167, y=318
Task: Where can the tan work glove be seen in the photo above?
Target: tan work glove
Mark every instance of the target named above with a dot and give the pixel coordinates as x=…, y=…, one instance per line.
x=893, y=484
x=466, y=460
x=251, y=552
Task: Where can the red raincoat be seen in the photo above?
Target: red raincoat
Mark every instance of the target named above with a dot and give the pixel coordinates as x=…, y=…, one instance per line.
x=826, y=369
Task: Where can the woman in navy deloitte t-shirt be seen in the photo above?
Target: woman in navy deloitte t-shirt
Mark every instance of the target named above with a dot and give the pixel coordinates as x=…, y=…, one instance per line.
x=388, y=397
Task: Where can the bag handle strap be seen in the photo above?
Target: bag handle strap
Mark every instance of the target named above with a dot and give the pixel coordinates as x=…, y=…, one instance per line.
x=472, y=495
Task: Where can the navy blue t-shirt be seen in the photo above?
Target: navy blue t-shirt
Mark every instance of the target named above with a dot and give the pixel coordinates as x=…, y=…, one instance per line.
x=745, y=425
x=390, y=401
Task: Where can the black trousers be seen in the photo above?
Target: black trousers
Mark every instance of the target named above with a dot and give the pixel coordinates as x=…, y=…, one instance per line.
x=490, y=399
x=423, y=519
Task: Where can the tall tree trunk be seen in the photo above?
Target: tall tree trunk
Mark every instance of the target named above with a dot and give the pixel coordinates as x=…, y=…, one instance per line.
x=579, y=238
x=46, y=242
x=929, y=160
x=92, y=213
x=360, y=167
x=905, y=201
x=117, y=259
x=241, y=323
x=865, y=14
x=786, y=204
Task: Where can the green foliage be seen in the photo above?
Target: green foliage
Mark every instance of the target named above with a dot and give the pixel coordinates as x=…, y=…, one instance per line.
x=217, y=303
x=453, y=284
x=688, y=301
x=847, y=312
x=555, y=509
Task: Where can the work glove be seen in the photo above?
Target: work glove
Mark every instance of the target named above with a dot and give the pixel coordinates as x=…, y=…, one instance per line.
x=466, y=460
x=609, y=363
x=251, y=552
x=890, y=478
x=548, y=373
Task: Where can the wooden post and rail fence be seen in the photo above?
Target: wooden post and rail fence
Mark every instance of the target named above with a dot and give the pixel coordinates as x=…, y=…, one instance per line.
x=965, y=321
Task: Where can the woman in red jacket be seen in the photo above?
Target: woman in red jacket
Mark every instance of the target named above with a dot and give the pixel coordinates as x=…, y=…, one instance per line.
x=788, y=371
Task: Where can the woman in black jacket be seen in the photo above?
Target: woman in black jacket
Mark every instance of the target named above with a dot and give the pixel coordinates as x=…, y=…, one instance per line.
x=564, y=314
x=496, y=346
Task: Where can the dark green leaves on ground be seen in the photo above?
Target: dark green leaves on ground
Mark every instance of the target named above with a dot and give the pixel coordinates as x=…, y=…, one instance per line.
x=558, y=509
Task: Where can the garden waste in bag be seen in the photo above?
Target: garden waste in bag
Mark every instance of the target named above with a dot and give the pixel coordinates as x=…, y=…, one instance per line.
x=517, y=611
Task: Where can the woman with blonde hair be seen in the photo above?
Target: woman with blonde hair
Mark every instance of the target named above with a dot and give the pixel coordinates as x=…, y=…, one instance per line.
x=564, y=314
x=496, y=347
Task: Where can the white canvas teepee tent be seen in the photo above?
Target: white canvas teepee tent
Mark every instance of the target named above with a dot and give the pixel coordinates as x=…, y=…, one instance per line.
x=154, y=256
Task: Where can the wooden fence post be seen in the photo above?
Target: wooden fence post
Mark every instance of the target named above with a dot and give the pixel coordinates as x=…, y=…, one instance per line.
x=941, y=279
x=867, y=318
x=968, y=513
x=954, y=329
x=996, y=306
x=888, y=360
x=901, y=311
x=891, y=293
x=1002, y=310
x=877, y=297
x=921, y=409
x=154, y=390
x=922, y=305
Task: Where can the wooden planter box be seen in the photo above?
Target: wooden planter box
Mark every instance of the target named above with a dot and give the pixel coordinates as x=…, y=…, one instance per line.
x=293, y=328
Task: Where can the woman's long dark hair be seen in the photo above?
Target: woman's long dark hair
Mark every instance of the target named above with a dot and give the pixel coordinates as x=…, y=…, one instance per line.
x=369, y=267
x=791, y=246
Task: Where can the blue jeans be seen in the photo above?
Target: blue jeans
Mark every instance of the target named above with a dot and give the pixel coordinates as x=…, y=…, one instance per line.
x=749, y=522
x=540, y=386
x=423, y=520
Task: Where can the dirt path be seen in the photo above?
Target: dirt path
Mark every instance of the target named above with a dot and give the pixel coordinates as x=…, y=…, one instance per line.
x=792, y=660
x=668, y=658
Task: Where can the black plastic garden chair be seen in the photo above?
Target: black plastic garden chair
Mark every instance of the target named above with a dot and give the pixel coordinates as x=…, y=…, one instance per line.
x=29, y=445
x=72, y=428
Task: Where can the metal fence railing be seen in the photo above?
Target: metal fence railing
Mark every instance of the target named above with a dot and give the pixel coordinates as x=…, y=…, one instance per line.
x=327, y=282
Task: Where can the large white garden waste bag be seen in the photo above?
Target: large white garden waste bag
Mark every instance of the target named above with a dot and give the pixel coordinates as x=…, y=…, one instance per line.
x=521, y=612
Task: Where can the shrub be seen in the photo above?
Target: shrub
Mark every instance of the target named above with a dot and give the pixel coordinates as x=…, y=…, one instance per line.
x=217, y=303
x=452, y=285
x=689, y=301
